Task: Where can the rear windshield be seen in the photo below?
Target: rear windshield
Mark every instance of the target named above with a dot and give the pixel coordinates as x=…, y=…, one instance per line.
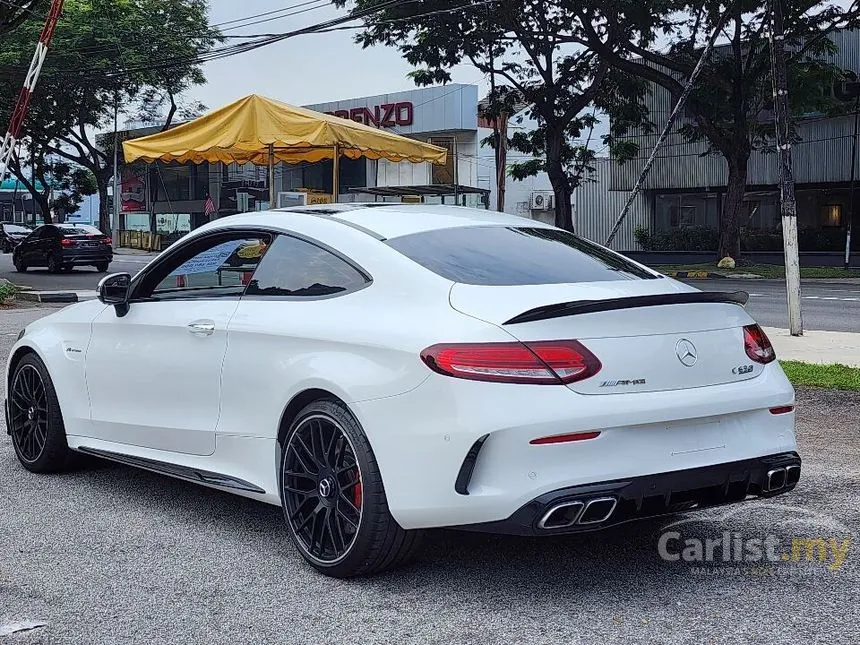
x=14, y=228
x=498, y=255
x=79, y=229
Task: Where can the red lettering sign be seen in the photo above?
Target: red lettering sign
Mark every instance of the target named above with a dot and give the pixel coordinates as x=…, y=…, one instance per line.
x=387, y=115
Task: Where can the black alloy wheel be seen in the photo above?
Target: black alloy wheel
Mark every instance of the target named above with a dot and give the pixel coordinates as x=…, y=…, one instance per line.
x=28, y=413
x=35, y=419
x=322, y=489
x=54, y=264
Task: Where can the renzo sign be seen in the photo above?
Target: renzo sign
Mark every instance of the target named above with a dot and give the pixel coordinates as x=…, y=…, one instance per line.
x=387, y=115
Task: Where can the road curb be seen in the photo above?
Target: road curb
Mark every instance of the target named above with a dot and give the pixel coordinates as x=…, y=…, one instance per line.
x=48, y=296
x=696, y=275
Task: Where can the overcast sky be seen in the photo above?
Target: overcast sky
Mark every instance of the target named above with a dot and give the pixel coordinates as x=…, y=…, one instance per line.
x=305, y=69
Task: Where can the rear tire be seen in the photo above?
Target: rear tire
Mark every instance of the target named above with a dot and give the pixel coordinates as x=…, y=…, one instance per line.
x=333, y=498
x=54, y=264
x=67, y=268
x=102, y=267
x=36, y=422
x=20, y=267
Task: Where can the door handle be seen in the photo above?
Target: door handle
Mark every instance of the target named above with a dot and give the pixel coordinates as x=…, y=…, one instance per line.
x=202, y=328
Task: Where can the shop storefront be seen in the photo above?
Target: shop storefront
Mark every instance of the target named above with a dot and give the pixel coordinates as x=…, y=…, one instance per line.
x=167, y=200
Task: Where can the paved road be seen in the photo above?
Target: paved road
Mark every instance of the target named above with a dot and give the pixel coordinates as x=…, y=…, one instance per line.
x=80, y=279
x=112, y=555
x=825, y=306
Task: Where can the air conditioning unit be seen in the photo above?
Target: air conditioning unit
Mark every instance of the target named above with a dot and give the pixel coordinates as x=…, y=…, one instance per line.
x=542, y=200
x=285, y=200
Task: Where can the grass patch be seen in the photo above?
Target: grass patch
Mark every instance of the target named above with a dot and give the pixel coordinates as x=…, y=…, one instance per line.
x=764, y=270
x=834, y=377
x=7, y=291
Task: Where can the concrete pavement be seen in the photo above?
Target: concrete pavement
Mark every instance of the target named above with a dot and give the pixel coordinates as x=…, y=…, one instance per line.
x=823, y=347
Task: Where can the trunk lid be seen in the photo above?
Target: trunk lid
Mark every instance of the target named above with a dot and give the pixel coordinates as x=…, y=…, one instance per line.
x=642, y=347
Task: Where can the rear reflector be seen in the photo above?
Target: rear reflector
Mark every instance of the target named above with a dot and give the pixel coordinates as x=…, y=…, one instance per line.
x=565, y=438
x=783, y=409
x=542, y=363
x=757, y=345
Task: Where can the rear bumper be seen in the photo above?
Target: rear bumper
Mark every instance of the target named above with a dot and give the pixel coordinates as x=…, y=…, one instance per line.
x=422, y=438
x=94, y=256
x=651, y=496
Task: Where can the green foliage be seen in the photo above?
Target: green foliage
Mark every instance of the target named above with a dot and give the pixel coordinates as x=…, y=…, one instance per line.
x=105, y=55
x=687, y=238
x=14, y=12
x=7, y=290
x=531, y=49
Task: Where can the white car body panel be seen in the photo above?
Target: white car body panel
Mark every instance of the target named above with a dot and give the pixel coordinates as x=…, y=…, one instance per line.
x=142, y=385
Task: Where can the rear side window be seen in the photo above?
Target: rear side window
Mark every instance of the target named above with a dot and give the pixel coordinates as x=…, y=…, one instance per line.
x=499, y=256
x=296, y=268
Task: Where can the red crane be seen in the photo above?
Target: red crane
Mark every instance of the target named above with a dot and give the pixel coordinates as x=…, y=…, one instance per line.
x=20, y=111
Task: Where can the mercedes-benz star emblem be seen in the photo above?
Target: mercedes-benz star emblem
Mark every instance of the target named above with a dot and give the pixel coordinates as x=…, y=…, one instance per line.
x=325, y=488
x=686, y=352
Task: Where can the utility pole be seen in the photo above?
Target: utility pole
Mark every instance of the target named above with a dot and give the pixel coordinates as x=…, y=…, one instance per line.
x=115, y=232
x=787, y=200
x=853, y=167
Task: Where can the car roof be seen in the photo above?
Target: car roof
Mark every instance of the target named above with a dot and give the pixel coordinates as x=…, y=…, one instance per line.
x=395, y=220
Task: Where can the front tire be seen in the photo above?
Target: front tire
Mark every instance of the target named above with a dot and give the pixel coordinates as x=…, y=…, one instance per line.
x=102, y=267
x=36, y=423
x=333, y=498
x=54, y=264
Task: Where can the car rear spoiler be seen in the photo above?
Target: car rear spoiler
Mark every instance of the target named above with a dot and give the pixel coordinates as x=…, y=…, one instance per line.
x=561, y=309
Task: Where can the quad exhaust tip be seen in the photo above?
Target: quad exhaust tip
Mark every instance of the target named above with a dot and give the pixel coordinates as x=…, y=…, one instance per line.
x=779, y=478
x=566, y=514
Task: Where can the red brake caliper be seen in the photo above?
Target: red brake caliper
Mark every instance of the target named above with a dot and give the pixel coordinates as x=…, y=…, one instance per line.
x=356, y=490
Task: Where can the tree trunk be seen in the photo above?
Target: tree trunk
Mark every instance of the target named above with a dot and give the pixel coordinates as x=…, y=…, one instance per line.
x=104, y=210
x=558, y=179
x=730, y=235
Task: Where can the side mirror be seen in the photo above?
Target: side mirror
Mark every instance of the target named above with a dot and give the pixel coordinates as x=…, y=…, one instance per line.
x=113, y=290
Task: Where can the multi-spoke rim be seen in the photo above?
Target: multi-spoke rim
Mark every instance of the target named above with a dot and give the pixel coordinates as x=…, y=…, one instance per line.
x=28, y=408
x=322, y=488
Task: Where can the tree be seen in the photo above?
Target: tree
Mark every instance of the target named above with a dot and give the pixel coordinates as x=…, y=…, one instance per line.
x=57, y=186
x=14, y=12
x=530, y=46
x=728, y=107
x=107, y=62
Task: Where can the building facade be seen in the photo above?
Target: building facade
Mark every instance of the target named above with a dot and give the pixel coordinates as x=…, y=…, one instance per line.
x=685, y=186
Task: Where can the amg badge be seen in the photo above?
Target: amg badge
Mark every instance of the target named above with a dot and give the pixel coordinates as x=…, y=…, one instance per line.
x=637, y=381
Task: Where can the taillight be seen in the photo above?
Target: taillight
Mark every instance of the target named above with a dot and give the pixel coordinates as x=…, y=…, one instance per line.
x=782, y=409
x=107, y=240
x=67, y=242
x=542, y=363
x=565, y=438
x=757, y=345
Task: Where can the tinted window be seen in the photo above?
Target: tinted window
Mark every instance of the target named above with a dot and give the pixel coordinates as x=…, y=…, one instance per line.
x=293, y=267
x=210, y=268
x=497, y=255
x=79, y=229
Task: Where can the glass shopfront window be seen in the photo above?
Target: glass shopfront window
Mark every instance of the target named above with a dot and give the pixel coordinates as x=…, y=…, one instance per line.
x=179, y=182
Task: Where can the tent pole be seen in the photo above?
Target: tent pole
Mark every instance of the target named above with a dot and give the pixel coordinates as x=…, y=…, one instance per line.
x=272, y=203
x=335, y=175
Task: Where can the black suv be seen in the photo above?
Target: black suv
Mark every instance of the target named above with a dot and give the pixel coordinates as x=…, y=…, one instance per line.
x=11, y=234
x=63, y=246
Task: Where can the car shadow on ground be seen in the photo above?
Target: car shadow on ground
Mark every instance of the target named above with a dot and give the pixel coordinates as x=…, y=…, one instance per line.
x=538, y=565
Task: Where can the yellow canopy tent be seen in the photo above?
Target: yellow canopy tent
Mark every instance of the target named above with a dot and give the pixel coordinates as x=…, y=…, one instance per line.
x=259, y=130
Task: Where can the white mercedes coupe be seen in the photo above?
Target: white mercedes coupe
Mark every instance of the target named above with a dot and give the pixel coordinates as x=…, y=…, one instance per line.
x=378, y=370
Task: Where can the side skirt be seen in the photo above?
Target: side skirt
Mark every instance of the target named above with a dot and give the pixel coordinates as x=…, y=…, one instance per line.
x=174, y=470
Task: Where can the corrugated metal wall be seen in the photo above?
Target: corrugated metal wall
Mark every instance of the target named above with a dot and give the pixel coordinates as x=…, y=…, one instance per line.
x=823, y=155
x=597, y=208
